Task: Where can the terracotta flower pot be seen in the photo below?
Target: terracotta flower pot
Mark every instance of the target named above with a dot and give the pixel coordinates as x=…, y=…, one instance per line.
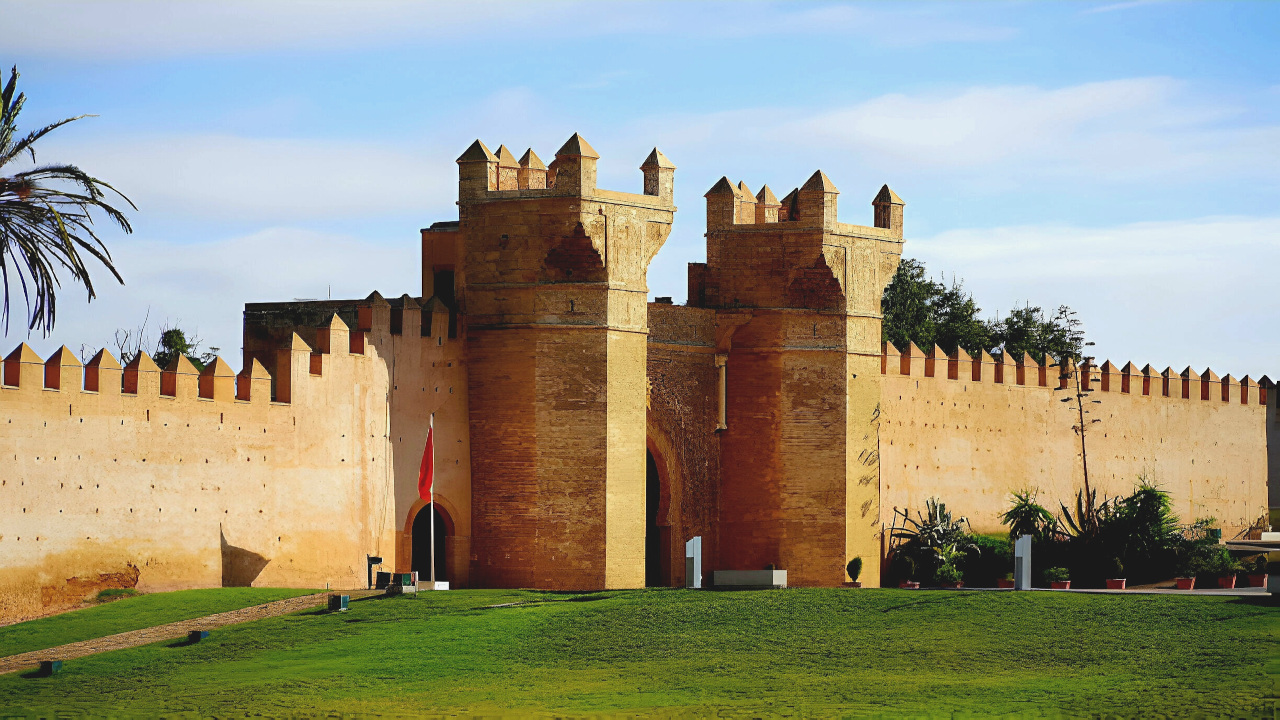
x=1115, y=583
x=909, y=585
x=1258, y=580
x=952, y=586
x=1060, y=584
x=1227, y=582
x=854, y=584
x=1185, y=583
x=1005, y=584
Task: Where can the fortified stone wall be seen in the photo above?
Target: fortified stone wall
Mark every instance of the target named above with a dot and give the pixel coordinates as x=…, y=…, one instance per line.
x=552, y=292
x=797, y=295
x=160, y=480
x=426, y=375
x=971, y=431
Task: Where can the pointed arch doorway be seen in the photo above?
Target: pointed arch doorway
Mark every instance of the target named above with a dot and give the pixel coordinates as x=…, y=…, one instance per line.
x=420, y=557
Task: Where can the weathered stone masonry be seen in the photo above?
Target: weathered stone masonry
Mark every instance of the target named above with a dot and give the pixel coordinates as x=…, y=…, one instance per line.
x=771, y=419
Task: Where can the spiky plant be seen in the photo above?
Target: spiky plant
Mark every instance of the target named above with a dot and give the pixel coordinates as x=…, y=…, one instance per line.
x=1027, y=517
x=45, y=218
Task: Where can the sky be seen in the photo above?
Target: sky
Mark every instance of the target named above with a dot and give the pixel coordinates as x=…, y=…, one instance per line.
x=1122, y=158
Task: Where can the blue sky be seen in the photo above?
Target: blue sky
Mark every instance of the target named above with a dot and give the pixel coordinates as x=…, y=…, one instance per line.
x=1121, y=158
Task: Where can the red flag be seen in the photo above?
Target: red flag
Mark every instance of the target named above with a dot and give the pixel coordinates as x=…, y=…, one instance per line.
x=426, y=475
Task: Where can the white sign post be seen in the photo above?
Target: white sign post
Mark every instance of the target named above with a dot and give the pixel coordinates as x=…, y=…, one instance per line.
x=1022, y=563
x=693, y=562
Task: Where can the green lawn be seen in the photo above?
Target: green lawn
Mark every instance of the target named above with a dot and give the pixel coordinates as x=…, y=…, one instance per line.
x=804, y=652
x=132, y=613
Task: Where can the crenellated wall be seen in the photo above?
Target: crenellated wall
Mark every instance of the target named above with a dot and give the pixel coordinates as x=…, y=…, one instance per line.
x=424, y=361
x=167, y=479
x=971, y=431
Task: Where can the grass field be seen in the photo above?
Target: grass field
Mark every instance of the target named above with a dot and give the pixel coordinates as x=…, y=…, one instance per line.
x=674, y=652
x=132, y=613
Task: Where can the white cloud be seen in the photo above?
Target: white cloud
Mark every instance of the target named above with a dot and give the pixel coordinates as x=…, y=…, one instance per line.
x=282, y=179
x=203, y=287
x=142, y=28
x=1112, y=132
x=1196, y=292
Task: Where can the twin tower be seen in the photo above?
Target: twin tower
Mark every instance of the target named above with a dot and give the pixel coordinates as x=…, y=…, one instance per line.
x=782, y=339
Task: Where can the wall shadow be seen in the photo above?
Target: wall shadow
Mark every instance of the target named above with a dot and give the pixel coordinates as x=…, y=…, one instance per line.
x=240, y=567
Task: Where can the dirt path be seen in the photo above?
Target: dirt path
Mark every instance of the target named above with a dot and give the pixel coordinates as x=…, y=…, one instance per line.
x=172, y=630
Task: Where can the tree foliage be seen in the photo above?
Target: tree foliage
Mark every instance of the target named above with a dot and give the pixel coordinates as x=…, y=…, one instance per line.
x=46, y=222
x=918, y=309
x=173, y=341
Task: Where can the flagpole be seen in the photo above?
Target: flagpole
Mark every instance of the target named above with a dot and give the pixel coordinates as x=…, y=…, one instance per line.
x=431, y=426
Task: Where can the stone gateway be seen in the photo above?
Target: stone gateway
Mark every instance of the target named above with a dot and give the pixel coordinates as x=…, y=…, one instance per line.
x=583, y=435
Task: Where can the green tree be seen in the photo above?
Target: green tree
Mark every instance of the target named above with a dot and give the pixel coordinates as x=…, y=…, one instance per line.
x=927, y=312
x=45, y=219
x=174, y=342
x=1028, y=330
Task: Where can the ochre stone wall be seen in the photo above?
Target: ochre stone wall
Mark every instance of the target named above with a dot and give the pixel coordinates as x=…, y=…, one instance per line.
x=971, y=443
x=214, y=485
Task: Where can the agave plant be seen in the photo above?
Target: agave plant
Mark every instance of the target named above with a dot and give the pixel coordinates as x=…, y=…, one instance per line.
x=934, y=537
x=1090, y=515
x=45, y=221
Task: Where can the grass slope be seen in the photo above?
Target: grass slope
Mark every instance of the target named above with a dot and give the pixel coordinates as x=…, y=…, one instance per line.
x=132, y=613
x=812, y=652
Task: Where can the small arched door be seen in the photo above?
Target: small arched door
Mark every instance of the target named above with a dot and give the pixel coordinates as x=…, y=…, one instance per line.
x=422, y=545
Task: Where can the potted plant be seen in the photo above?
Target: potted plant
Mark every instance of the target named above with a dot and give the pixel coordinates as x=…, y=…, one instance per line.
x=1059, y=578
x=1224, y=567
x=1257, y=570
x=1116, y=581
x=950, y=577
x=854, y=568
x=1005, y=582
x=1188, y=564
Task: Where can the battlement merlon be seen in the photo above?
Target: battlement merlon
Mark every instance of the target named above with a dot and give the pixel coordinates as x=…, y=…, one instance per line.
x=808, y=207
x=484, y=176
x=812, y=261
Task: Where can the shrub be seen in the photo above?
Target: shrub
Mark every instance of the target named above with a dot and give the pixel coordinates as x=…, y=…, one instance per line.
x=990, y=558
x=1057, y=574
x=1117, y=568
x=1026, y=517
x=1256, y=565
x=949, y=574
x=1221, y=563
x=854, y=568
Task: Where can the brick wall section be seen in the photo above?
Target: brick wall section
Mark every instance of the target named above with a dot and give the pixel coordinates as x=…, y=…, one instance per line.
x=682, y=414
x=552, y=287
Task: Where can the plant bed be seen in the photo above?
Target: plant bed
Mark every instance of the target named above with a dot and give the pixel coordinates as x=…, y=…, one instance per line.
x=1185, y=583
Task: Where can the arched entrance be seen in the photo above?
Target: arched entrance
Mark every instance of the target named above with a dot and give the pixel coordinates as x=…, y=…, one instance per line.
x=421, y=551
x=657, y=529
